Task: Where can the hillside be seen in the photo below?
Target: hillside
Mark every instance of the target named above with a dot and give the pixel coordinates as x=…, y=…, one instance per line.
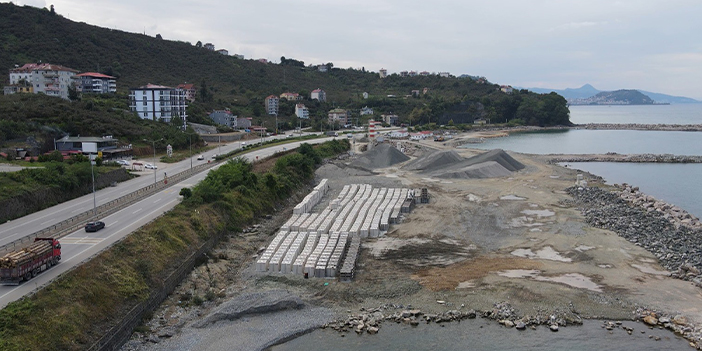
x=587, y=91
x=619, y=97
x=30, y=34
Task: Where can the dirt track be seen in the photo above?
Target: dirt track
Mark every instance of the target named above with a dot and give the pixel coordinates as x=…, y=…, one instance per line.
x=478, y=242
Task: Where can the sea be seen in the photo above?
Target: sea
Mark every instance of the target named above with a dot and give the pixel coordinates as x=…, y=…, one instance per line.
x=674, y=183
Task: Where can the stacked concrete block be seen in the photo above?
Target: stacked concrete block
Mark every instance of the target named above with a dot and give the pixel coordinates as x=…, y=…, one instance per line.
x=323, y=186
x=320, y=271
x=293, y=251
x=305, y=226
x=348, y=268
x=311, y=263
x=299, y=264
x=336, y=256
x=296, y=225
x=274, y=265
x=289, y=222
x=262, y=262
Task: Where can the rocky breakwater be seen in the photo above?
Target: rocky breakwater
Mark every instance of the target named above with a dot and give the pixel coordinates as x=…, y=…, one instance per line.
x=675, y=215
x=639, y=126
x=677, y=245
x=654, y=319
x=370, y=321
x=615, y=157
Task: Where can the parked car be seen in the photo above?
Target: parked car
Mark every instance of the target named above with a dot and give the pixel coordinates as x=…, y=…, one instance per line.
x=150, y=166
x=123, y=162
x=94, y=226
x=214, y=156
x=201, y=157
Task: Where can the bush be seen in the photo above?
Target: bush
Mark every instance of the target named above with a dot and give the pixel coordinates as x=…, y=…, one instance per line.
x=186, y=193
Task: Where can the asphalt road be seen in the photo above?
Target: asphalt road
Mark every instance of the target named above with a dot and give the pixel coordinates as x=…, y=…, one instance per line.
x=80, y=246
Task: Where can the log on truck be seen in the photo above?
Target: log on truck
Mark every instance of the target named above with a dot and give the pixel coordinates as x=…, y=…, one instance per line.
x=25, y=263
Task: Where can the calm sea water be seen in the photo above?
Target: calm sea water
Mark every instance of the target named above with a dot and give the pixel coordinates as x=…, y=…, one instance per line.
x=651, y=114
x=674, y=183
x=479, y=335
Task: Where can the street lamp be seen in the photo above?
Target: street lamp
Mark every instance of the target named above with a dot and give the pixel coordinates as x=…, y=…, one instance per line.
x=153, y=143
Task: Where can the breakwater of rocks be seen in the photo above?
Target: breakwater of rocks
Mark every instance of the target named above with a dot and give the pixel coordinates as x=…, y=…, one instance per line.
x=676, y=244
x=370, y=320
x=638, y=126
x=615, y=157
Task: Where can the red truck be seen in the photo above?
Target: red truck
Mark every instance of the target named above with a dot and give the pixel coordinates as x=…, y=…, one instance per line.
x=26, y=263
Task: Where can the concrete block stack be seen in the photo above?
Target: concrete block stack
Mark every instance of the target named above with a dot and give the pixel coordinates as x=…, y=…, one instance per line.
x=348, y=268
x=299, y=264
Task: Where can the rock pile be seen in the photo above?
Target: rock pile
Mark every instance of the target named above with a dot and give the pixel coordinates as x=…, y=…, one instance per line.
x=381, y=156
x=677, y=324
x=678, y=247
x=448, y=164
x=676, y=215
x=370, y=321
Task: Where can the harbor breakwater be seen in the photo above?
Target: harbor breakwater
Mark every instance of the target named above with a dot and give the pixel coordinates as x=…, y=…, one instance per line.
x=615, y=157
x=638, y=126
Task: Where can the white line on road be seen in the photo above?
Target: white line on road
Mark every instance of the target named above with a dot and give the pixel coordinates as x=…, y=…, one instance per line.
x=137, y=211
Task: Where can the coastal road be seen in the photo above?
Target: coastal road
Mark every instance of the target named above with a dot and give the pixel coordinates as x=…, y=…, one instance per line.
x=80, y=246
x=21, y=227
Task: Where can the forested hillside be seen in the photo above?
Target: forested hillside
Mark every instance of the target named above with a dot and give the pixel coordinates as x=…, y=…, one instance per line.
x=30, y=34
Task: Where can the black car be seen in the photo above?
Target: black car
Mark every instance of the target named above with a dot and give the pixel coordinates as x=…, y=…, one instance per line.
x=94, y=226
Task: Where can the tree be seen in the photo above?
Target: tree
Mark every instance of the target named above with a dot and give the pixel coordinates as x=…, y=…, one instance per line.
x=198, y=44
x=73, y=93
x=53, y=12
x=158, y=36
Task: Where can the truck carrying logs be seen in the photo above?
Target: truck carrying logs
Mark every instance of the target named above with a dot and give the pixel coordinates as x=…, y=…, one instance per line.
x=26, y=263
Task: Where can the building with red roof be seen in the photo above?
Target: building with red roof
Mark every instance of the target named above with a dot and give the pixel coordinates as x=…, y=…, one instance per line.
x=272, y=104
x=45, y=78
x=190, y=91
x=319, y=95
x=98, y=83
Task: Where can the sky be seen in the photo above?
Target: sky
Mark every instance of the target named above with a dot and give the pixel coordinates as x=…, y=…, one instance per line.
x=651, y=45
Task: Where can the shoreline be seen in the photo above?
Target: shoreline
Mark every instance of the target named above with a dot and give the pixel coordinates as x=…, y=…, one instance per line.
x=520, y=224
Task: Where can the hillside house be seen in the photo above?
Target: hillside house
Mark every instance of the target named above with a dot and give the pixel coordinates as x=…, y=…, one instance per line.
x=301, y=111
x=158, y=102
x=97, y=83
x=272, y=103
x=339, y=116
x=190, y=91
x=224, y=117
x=319, y=95
x=291, y=96
x=45, y=78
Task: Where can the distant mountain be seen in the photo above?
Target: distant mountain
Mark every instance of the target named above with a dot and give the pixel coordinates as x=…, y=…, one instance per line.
x=618, y=97
x=588, y=91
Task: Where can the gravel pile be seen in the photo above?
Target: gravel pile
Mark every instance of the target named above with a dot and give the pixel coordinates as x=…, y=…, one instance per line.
x=678, y=248
x=381, y=156
x=448, y=164
x=434, y=160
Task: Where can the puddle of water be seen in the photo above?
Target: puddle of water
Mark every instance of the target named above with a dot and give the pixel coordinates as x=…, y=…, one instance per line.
x=582, y=248
x=535, y=230
x=539, y=213
x=650, y=270
x=519, y=273
x=554, y=176
x=379, y=246
x=547, y=253
x=604, y=266
x=512, y=197
x=523, y=222
x=466, y=285
x=575, y=280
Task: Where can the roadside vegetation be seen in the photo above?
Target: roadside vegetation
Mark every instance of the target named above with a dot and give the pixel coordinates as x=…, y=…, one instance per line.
x=75, y=310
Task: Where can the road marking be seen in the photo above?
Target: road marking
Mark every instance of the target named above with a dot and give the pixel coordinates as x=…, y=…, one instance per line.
x=137, y=211
x=84, y=240
x=157, y=200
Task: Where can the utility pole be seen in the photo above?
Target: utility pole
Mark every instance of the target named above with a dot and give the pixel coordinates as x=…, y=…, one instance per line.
x=93, y=174
x=153, y=144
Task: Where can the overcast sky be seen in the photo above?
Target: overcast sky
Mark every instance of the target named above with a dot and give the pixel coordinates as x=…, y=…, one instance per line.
x=651, y=45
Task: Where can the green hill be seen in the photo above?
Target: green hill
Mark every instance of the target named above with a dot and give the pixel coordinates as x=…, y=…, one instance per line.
x=629, y=97
x=30, y=34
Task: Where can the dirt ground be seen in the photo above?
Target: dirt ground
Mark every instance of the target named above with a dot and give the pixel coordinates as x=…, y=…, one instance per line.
x=477, y=242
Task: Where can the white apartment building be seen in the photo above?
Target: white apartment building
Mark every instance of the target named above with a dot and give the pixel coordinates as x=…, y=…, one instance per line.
x=98, y=83
x=158, y=102
x=45, y=78
x=272, y=103
x=319, y=95
x=301, y=111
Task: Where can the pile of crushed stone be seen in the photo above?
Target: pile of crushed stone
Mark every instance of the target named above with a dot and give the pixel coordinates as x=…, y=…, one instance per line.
x=381, y=156
x=434, y=160
x=448, y=164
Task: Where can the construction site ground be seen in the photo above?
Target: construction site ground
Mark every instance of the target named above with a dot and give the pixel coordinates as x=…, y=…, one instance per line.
x=476, y=243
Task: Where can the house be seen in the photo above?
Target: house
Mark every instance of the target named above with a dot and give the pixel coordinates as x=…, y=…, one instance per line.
x=98, y=83
x=423, y=73
x=22, y=87
x=301, y=111
x=507, y=89
x=398, y=134
x=209, y=46
x=319, y=95
x=158, y=102
x=444, y=74
x=243, y=123
x=383, y=73
x=45, y=78
x=262, y=60
x=412, y=73
x=404, y=73
x=190, y=91
x=425, y=90
x=107, y=146
x=338, y=115
x=272, y=103
x=322, y=68
x=480, y=121
x=223, y=52
x=415, y=93
x=366, y=111
x=239, y=56
x=291, y=96
x=224, y=117
x=365, y=95
x=392, y=120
